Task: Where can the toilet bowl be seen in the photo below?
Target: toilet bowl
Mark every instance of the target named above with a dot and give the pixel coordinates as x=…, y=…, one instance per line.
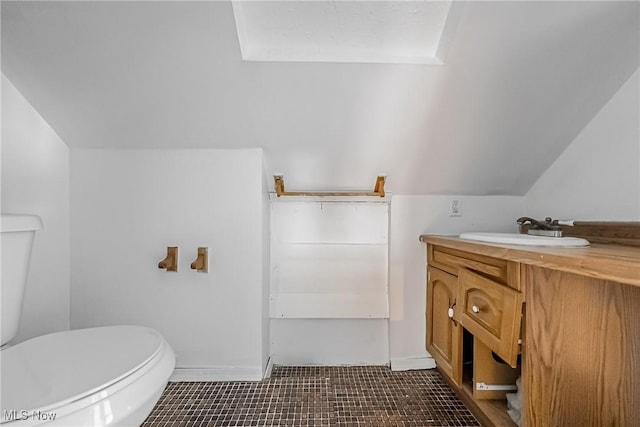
x=104, y=376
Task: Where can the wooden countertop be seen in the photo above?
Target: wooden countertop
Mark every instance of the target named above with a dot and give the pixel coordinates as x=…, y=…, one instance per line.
x=609, y=262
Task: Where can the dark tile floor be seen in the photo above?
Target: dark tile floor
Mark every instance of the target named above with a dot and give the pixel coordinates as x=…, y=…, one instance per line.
x=315, y=396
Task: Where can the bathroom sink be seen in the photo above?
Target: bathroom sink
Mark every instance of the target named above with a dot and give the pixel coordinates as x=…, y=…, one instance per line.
x=525, y=239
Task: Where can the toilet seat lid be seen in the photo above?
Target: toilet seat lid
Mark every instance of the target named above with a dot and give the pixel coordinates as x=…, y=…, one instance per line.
x=60, y=368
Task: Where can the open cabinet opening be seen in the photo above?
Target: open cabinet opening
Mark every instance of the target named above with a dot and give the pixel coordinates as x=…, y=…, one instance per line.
x=489, y=380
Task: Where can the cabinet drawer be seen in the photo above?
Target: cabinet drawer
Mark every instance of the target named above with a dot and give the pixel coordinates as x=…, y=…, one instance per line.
x=452, y=260
x=491, y=312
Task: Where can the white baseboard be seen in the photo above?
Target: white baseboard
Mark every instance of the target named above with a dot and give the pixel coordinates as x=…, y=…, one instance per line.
x=256, y=374
x=411, y=363
x=216, y=374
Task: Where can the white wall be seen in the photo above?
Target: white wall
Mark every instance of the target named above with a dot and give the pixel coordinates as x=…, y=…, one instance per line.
x=412, y=216
x=35, y=180
x=128, y=206
x=598, y=176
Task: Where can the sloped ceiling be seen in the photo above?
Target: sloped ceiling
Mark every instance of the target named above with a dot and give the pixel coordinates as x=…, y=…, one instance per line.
x=519, y=81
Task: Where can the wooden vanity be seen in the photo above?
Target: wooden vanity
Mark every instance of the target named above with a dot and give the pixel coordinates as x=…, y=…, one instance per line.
x=566, y=319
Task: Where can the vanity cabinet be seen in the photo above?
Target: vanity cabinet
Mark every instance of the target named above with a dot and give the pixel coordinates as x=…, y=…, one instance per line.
x=567, y=319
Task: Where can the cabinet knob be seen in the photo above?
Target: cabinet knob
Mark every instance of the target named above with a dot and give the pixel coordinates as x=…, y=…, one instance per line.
x=475, y=309
x=450, y=313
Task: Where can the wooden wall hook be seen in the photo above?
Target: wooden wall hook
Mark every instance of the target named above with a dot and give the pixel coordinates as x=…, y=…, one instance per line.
x=201, y=263
x=170, y=263
x=379, y=187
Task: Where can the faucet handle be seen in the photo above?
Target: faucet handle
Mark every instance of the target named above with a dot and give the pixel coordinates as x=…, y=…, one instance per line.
x=553, y=223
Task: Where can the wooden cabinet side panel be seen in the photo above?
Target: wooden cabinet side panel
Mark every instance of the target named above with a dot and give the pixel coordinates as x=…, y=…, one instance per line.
x=582, y=364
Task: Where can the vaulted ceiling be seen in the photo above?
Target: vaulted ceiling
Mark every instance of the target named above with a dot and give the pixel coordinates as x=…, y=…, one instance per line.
x=518, y=83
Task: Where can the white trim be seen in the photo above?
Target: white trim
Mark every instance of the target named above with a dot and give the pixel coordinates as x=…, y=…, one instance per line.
x=295, y=363
x=217, y=373
x=269, y=369
x=411, y=363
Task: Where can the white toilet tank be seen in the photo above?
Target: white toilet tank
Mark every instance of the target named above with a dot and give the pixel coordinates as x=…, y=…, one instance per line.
x=16, y=238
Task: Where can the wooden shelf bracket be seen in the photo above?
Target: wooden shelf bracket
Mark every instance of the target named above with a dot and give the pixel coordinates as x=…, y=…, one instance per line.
x=378, y=190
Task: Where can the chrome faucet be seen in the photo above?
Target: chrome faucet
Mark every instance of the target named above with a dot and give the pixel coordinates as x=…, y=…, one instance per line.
x=549, y=227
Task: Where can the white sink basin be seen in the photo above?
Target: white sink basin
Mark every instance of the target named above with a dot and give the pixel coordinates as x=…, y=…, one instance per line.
x=525, y=239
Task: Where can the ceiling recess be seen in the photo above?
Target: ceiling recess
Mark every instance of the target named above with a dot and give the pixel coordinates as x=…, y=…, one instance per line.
x=394, y=32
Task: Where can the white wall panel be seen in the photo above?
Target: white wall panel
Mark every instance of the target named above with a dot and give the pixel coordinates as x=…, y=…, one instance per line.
x=329, y=259
x=332, y=306
x=317, y=221
x=331, y=268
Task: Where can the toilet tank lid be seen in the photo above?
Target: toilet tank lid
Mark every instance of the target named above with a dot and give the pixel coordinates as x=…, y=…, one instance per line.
x=19, y=222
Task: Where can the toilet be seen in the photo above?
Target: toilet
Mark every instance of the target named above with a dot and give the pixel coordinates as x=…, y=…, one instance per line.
x=105, y=376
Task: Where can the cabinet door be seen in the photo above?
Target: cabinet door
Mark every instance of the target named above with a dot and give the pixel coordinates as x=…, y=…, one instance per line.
x=444, y=335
